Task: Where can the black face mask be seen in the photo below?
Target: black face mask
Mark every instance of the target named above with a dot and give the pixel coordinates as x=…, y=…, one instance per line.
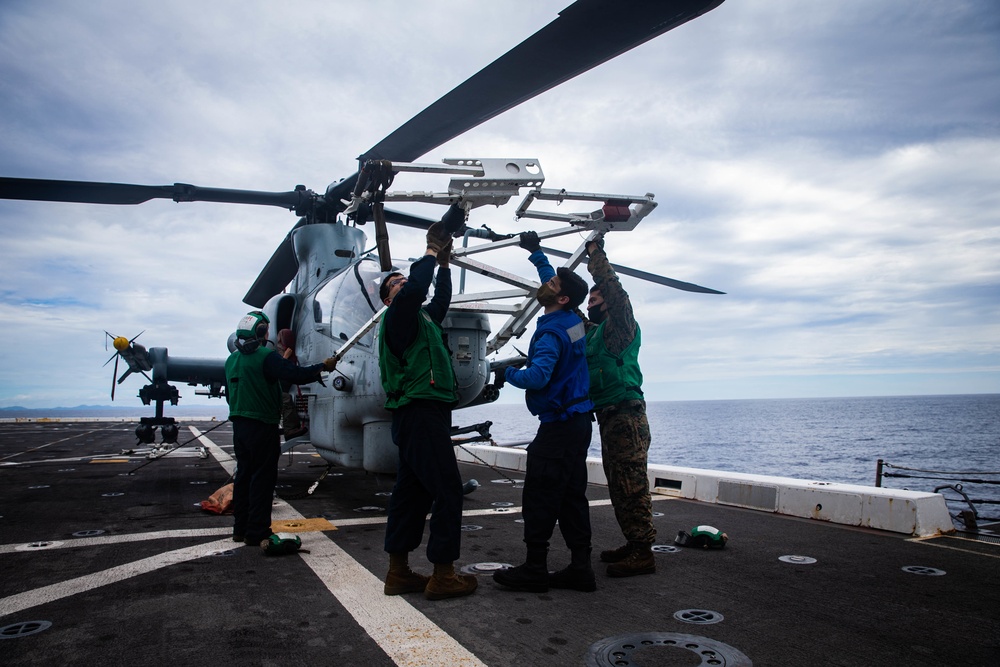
x=597, y=315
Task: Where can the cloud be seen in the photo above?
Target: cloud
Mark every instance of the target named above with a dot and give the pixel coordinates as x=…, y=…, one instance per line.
x=833, y=168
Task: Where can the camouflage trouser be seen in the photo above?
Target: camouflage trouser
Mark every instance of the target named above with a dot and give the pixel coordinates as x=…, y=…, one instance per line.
x=624, y=447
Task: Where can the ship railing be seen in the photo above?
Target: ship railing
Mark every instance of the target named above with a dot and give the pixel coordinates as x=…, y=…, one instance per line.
x=969, y=515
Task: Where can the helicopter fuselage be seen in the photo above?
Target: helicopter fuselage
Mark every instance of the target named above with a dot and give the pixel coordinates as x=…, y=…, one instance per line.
x=334, y=294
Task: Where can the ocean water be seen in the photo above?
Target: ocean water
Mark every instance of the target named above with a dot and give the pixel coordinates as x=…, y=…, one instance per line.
x=823, y=439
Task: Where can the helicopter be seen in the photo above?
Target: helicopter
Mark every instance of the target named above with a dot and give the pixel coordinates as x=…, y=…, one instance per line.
x=322, y=280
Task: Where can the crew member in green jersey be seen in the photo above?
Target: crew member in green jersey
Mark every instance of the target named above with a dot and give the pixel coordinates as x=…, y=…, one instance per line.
x=420, y=386
x=254, y=373
x=616, y=389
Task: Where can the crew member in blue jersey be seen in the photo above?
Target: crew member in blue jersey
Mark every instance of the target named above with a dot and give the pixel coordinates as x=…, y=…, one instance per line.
x=254, y=373
x=556, y=384
x=420, y=386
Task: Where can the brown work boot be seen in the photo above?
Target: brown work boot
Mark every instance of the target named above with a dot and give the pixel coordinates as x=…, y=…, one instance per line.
x=639, y=561
x=444, y=583
x=401, y=579
x=615, y=555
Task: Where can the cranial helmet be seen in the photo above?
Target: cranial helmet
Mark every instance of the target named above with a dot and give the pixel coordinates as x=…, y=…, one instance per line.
x=706, y=537
x=253, y=325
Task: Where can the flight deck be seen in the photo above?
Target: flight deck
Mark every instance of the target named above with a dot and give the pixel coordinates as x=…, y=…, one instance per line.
x=109, y=559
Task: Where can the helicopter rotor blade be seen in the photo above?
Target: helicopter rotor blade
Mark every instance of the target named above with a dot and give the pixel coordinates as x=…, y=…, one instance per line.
x=114, y=377
x=651, y=277
x=276, y=274
x=125, y=194
x=586, y=34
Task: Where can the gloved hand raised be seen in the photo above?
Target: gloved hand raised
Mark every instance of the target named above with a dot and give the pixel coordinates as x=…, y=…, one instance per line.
x=594, y=245
x=529, y=241
x=438, y=236
x=329, y=364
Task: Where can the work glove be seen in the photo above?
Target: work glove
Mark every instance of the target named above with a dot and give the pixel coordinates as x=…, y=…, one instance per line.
x=529, y=241
x=595, y=244
x=444, y=254
x=329, y=364
x=438, y=236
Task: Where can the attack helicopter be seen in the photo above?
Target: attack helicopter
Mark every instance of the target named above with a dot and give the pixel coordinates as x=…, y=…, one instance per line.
x=322, y=280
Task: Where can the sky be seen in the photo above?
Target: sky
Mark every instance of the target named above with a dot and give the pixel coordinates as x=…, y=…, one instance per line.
x=833, y=167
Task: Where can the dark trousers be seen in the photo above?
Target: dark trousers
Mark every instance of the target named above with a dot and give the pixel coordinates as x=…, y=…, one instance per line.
x=555, y=483
x=427, y=480
x=258, y=448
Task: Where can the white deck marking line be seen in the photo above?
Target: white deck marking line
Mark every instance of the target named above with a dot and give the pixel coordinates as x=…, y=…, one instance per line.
x=373, y=520
x=212, y=532
x=224, y=459
x=923, y=540
x=53, y=592
x=408, y=637
x=116, y=539
x=54, y=442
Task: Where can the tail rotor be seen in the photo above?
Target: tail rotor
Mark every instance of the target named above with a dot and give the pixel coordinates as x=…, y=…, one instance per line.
x=135, y=356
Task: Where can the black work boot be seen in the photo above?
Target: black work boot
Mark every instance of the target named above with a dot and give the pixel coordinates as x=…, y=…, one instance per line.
x=639, y=561
x=578, y=575
x=531, y=576
x=615, y=555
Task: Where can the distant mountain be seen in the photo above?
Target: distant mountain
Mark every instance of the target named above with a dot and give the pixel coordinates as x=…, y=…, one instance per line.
x=220, y=411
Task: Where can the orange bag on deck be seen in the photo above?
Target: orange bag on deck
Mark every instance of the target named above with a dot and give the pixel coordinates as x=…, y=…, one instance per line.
x=220, y=502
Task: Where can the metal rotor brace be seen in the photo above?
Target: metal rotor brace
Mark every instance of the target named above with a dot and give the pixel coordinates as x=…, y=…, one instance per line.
x=476, y=181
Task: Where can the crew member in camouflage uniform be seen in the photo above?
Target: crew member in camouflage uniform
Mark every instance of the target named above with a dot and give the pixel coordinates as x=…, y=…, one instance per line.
x=616, y=390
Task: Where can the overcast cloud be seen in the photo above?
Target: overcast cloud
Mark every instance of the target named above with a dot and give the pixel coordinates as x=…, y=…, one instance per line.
x=833, y=167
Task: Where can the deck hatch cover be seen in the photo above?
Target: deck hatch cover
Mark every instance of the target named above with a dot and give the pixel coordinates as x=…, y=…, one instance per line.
x=698, y=616
x=23, y=629
x=752, y=496
x=665, y=549
x=927, y=571
x=485, y=568
x=797, y=560
x=621, y=650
